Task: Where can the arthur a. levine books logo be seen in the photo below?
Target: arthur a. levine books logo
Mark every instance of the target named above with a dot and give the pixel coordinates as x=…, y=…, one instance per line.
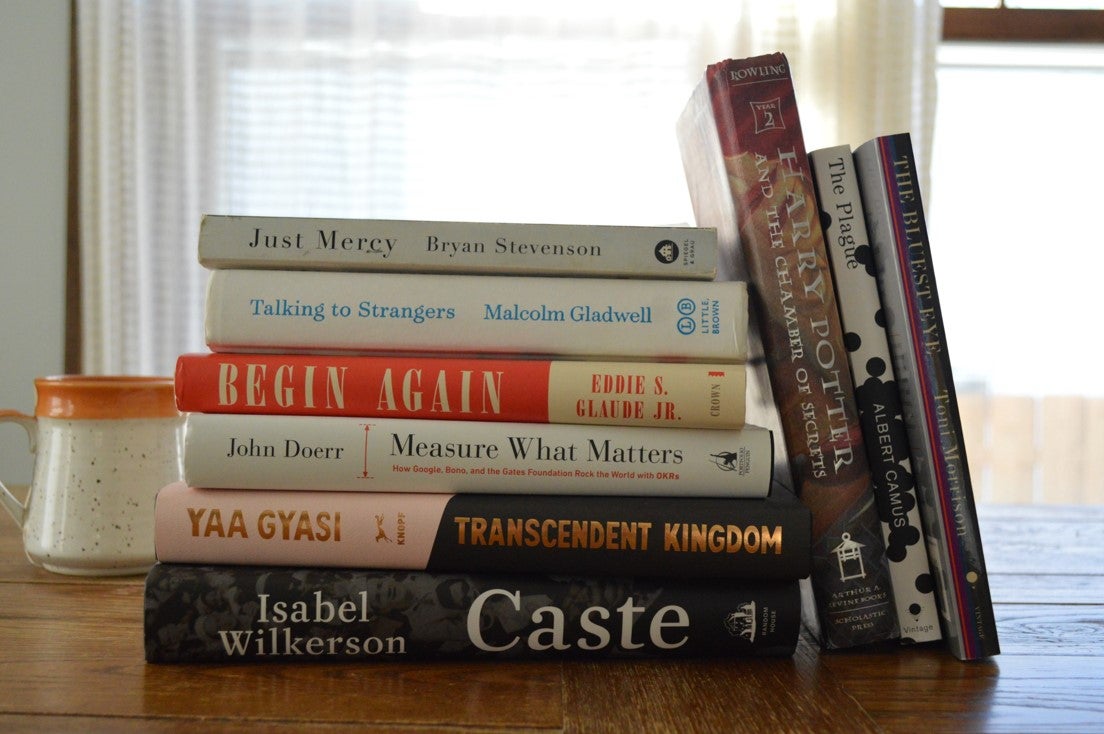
x=767, y=115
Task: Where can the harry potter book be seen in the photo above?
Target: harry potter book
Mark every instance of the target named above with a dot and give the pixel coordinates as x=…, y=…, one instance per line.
x=749, y=176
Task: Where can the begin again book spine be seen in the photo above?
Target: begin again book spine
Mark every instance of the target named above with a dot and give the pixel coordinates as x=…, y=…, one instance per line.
x=413, y=455
x=676, y=394
x=305, y=243
x=211, y=614
x=577, y=318
x=683, y=537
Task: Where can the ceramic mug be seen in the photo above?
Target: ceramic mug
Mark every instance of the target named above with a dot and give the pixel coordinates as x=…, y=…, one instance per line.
x=103, y=446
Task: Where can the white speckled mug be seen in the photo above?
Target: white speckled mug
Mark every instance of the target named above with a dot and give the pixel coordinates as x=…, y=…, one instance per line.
x=103, y=447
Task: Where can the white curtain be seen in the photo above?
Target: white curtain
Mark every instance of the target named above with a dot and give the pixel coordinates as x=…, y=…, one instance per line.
x=477, y=110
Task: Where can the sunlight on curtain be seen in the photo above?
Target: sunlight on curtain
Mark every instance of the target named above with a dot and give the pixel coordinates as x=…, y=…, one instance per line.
x=487, y=110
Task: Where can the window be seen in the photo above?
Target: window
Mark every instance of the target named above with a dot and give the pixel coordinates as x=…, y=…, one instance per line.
x=1015, y=172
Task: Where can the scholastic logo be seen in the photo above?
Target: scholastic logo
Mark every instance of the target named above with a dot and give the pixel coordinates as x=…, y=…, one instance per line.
x=767, y=115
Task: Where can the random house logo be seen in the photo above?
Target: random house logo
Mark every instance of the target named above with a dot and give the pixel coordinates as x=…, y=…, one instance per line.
x=742, y=622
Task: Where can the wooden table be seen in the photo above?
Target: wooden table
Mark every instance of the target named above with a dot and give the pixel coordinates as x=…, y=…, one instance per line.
x=71, y=660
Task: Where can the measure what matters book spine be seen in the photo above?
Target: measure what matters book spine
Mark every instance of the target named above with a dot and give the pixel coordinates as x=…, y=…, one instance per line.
x=306, y=243
x=196, y=614
x=688, y=395
x=417, y=455
x=577, y=318
x=682, y=537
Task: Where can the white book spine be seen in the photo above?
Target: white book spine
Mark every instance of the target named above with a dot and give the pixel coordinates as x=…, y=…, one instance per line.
x=579, y=318
x=458, y=247
x=877, y=392
x=357, y=454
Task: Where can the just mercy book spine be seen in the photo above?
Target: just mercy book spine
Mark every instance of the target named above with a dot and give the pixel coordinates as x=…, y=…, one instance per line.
x=890, y=189
x=677, y=394
x=226, y=614
x=490, y=315
x=682, y=537
x=233, y=451
x=876, y=391
x=306, y=243
x=749, y=176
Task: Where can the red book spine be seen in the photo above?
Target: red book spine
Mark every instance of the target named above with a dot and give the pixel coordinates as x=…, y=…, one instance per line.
x=747, y=167
x=673, y=394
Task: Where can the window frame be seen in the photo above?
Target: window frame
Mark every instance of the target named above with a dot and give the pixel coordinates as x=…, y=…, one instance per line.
x=1023, y=25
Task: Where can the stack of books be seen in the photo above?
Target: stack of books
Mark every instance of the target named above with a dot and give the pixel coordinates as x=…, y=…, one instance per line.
x=443, y=439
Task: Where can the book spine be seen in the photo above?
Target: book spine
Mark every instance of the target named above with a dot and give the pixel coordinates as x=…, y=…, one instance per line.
x=299, y=243
x=898, y=232
x=580, y=318
x=397, y=455
x=876, y=392
x=676, y=394
x=746, y=163
x=685, y=537
x=245, y=613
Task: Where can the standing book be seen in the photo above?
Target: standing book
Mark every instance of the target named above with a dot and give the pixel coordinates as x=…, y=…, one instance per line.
x=677, y=394
x=306, y=243
x=414, y=455
x=578, y=318
x=890, y=190
x=216, y=614
x=876, y=391
x=749, y=176
x=593, y=535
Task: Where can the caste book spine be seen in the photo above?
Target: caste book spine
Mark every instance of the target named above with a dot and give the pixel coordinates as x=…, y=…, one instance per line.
x=876, y=391
x=413, y=455
x=683, y=537
x=676, y=394
x=247, y=613
x=580, y=318
x=302, y=243
x=748, y=175
x=890, y=191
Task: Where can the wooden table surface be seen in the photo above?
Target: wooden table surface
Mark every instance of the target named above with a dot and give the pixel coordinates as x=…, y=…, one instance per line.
x=71, y=660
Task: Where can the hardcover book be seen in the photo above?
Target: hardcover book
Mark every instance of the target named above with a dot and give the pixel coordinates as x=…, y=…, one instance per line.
x=303, y=243
x=411, y=455
x=676, y=394
x=676, y=537
x=749, y=176
x=876, y=391
x=248, y=613
x=580, y=318
x=890, y=191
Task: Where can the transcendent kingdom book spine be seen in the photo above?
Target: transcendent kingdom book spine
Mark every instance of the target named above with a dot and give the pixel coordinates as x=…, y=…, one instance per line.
x=580, y=318
x=898, y=232
x=412, y=455
x=248, y=613
x=683, y=537
x=676, y=394
x=746, y=165
x=492, y=248
x=876, y=391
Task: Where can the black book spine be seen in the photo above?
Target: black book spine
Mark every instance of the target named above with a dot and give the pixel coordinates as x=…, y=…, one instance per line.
x=255, y=613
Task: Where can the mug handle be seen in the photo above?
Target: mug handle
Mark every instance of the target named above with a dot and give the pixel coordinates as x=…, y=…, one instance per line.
x=11, y=503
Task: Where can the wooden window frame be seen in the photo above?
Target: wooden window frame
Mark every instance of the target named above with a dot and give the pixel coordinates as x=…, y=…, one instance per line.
x=1022, y=25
